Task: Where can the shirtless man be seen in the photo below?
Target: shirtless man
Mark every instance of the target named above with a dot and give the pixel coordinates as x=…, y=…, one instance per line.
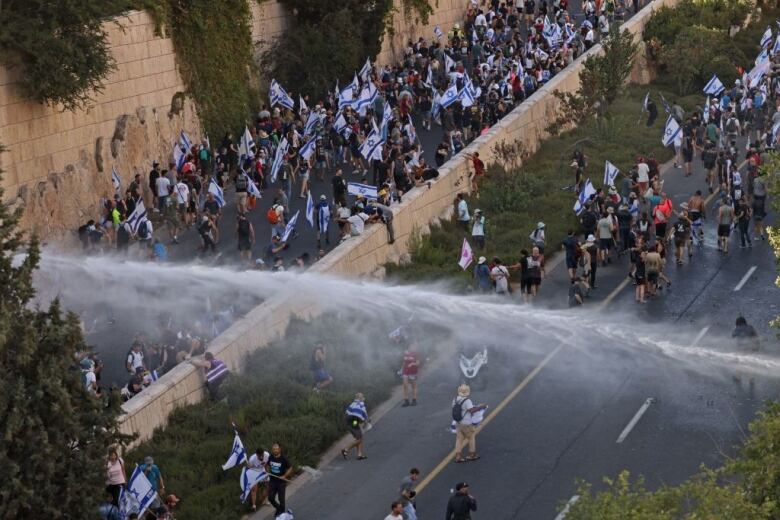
x=696, y=214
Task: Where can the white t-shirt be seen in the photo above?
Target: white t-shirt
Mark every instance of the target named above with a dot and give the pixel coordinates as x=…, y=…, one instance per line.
x=501, y=276
x=136, y=359
x=642, y=172
x=255, y=461
x=463, y=211
x=357, y=223
x=391, y=516
x=163, y=186
x=90, y=379
x=466, y=404
x=183, y=193
x=478, y=229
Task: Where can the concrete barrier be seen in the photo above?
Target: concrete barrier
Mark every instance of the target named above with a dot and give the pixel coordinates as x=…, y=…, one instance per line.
x=362, y=255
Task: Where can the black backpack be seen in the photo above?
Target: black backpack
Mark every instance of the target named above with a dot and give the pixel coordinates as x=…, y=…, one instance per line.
x=457, y=410
x=143, y=230
x=241, y=183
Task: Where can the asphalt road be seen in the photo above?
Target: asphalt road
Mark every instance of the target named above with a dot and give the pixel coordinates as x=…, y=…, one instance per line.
x=565, y=421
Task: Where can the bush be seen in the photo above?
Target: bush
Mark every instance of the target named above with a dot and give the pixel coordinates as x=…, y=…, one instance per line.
x=667, y=22
x=272, y=401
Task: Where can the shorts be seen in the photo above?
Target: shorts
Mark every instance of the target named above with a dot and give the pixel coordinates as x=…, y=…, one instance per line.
x=652, y=277
x=321, y=165
x=182, y=208
x=409, y=377
x=241, y=197
x=724, y=230
x=354, y=428
x=605, y=243
x=687, y=155
x=571, y=263
x=321, y=375
x=172, y=221
x=244, y=245
x=525, y=285
x=640, y=280
x=536, y=281
x=680, y=242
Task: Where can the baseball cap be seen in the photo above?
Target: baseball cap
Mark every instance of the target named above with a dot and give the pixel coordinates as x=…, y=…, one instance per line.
x=460, y=485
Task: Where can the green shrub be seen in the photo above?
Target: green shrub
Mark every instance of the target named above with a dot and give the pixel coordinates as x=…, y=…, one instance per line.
x=667, y=22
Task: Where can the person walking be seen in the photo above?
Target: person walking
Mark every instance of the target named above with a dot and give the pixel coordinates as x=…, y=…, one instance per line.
x=462, y=409
x=407, y=494
x=116, y=478
x=461, y=503
x=409, y=369
x=258, y=460
x=280, y=470
x=478, y=229
x=462, y=209
x=357, y=416
x=396, y=511
x=246, y=237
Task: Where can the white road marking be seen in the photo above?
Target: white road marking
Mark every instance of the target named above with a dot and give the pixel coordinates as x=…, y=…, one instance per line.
x=566, y=508
x=638, y=415
x=700, y=335
x=745, y=278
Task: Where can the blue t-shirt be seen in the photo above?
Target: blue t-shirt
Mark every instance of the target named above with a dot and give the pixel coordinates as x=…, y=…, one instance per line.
x=160, y=252
x=153, y=474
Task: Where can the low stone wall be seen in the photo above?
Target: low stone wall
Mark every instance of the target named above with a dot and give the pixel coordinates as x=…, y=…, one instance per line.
x=59, y=162
x=362, y=255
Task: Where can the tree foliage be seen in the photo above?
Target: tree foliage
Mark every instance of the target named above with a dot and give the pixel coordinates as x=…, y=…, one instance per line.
x=54, y=435
x=60, y=47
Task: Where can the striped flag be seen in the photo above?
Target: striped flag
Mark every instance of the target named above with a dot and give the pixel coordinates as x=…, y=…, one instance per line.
x=310, y=209
x=137, y=496
x=279, y=96
x=437, y=31
x=311, y=124
x=671, y=130
x=366, y=190
x=185, y=141
x=115, y=179
x=302, y=104
x=766, y=38
x=610, y=174
x=450, y=96
x=138, y=216
x=307, y=149
x=279, y=158
x=587, y=191
x=245, y=145
x=237, y=453
x=250, y=477
x=215, y=190
x=372, y=146
x=714, y=86
x=290, y=227
x=178, y=156
x=365, y=72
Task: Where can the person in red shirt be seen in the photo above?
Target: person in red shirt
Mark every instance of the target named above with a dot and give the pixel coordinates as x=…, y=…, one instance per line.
x=409, y=374
x=479, y=171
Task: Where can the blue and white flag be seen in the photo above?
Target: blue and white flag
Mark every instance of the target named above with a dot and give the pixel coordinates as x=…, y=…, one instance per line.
x=307, y=149
x=279, y=96
x=251, y=187
x=310, y=209
x=387, y=116
x=250, y=477
x=215, y=190
x=762, y=57
x=137, y=496
x=323, y=217
x=766, y=38
x=365, y=190
x=449, y=64
x=438, y=33
x=301, y=104
x=311, y=124
x=372, y=146
x=237, y=454
x=115, y=179
x=290, y=227
x=610, y=174
x=646, y=102
x=178, y=156
x=365, y=72
x=670, y=131
x=450, y=96
x=570, y=34
x=466, y=97
x=246, y=145
x=776, y=47
x=138, y=216
x=367, y=97
x=667, y=108
x=410, y=130
x=340, y=124
x=357, y=409
x=775, y=131
x=278, y=158
x=588, y=190
x=755, y=75
x=705, y=115
x=185, y=141
x=714, y=86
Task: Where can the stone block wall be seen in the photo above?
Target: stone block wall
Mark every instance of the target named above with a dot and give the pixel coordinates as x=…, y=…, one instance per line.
x=59, y=162
x=365, y=254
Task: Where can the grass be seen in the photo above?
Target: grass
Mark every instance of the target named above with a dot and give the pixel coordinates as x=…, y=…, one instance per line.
x=274, y=402
x=513, y=202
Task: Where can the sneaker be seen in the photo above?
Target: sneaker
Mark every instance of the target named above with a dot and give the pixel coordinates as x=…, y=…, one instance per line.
x=414, y=402
x=406, y=403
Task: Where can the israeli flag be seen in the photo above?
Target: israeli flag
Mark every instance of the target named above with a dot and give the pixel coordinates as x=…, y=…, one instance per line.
x=311, y=124
x=366, y=190
x=323, y=217
x=340, y=124
x=387, y=116
x=667, y=108
x=766, y=38
x=302, y=105
x=251, y=187
x=307, y=149
x=115, y=179
x=438, y=33
x=346, y=96
x=714, y=86
x=646, y=102
x=237, y=454
x=450, y=96
x=670, y=131
x=466, y=96
x=449, y=63
x=245, y=145
x=310, y=209
x=610, y=174
x=357, y=409
x=185, y=141
x=290, y=227
x=705, y=115
x=278, y=158
x=761, y=58
x=410, y=130
x=372, y=146
x=367, y=96
x=215, y=190
x=365, y=72
x=138, y=216
x=587, y=191
x=776, y=47
x=279, y=96
x=178, y=156
x=250, y=477
x=775, y=130
x=570, y=34
x=137, y=496
x=755, y=75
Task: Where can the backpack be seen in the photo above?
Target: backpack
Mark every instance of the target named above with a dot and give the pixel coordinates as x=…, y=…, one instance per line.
x=241, y=182
x=457, y=410
x=273, y=217
x=731, y=125
x=143, y=230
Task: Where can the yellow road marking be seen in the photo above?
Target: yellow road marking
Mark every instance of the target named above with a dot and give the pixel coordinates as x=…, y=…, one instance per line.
x=503, y=404
x=614, y=293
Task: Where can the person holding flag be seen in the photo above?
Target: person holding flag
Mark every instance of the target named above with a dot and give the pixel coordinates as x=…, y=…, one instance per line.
x=257, y=463
x=322, y=216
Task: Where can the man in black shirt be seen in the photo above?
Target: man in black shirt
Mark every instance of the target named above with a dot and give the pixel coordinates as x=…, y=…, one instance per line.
x=461, y=504
x=339, y=188
x=280, y=470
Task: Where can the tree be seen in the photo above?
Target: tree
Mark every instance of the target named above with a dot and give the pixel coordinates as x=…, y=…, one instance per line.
x=60, y=47
x=54, y=434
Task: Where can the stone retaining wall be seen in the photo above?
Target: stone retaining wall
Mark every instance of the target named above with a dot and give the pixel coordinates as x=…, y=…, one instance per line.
x=362, y=255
